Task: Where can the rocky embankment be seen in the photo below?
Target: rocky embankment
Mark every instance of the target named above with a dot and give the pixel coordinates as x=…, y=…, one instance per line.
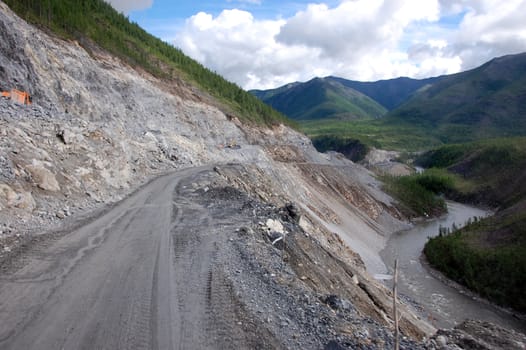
x=98, y=129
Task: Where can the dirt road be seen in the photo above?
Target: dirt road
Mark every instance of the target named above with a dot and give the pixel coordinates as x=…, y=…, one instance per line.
x=141, y=276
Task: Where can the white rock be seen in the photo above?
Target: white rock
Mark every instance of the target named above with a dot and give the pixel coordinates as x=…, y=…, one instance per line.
x=305, y=224
x=25, y=201
x=10, y=198
x=355, y=280
x=7, y=194
x=275, y=225
x=441, y=341
x=43, y=177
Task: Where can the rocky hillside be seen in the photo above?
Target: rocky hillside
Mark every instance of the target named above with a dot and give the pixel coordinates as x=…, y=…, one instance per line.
x=95, y=24
x=98, y=129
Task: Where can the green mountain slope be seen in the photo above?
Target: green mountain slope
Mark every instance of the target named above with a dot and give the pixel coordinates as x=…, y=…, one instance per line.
x=321, y=99
x=95, y=22
x=492, y=172
x=389, y=93
x=486, y=102
x=489, y=101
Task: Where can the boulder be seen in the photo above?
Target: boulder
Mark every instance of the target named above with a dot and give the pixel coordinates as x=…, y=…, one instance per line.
x=43, y=177
x=7, y=195
x=25, y=201
x=275, y=226
x=11, y=199
x=305, y=224
x=66, y=136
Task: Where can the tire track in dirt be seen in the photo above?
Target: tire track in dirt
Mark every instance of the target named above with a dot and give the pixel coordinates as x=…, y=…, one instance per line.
x=141, y=276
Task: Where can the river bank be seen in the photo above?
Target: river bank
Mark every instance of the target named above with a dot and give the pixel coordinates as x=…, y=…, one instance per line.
x=442, y=304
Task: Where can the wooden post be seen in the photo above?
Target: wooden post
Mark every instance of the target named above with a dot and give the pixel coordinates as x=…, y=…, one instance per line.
x=395, y=310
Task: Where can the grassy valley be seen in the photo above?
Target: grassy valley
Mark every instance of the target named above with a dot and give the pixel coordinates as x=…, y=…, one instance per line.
x=373, y=133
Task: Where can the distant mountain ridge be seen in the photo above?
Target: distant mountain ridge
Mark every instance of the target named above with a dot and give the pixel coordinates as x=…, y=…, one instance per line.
x=389, y=93
x=485, y=102
x=321, y=98
x=342, y=99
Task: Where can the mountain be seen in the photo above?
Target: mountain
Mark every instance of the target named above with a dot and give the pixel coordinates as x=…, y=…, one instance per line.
x=341, y=99
x=321, y=99
x=389, y=93
x=486, y=102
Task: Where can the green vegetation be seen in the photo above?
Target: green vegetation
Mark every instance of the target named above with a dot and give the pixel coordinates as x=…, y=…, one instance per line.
x=351, y=149
x=95, y=21
x=487, y=256
x=489, y=171
x=419, y=194
x=389, y=93
x=486, y=102
x=320, y=99
x=373, y=133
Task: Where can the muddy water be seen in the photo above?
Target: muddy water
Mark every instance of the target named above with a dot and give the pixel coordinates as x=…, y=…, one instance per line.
x=442, y=305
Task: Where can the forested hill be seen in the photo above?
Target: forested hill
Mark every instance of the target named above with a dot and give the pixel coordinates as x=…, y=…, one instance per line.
x=389, y=93
x=485, y=102
x=96, y=22
x=321, y=99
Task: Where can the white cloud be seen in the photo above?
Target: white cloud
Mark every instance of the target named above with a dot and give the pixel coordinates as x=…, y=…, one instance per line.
x=490, y=28
x=357, y=39
x=241, y=48
x=125, y=6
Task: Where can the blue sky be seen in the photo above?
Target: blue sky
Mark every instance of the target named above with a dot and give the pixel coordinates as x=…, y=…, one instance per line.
x=163, y=17
x=268, y=43
x=268, y=9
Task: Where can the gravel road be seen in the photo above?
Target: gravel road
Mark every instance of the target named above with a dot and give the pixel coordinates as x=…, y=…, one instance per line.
x=140, y=276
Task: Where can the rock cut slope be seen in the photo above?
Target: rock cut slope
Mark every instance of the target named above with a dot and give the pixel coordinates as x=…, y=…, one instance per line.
x=97, y=126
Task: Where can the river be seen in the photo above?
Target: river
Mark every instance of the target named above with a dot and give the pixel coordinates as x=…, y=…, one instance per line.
x=443, y=305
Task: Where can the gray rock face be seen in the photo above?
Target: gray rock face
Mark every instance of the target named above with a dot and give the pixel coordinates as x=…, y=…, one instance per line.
x=97, y=129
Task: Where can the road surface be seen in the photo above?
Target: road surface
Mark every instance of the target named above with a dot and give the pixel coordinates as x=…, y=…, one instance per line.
x=140, y=276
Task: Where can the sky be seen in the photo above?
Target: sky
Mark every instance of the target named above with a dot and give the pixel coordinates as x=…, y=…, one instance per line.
x=263, y=44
